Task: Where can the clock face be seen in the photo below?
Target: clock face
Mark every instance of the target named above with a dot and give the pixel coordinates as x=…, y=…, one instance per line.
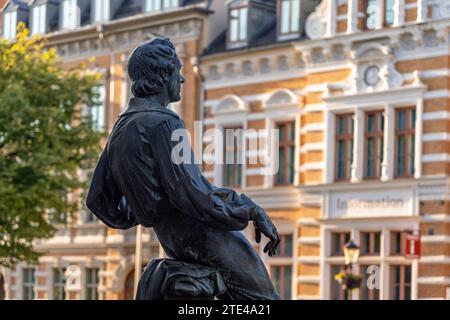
x=372, y=75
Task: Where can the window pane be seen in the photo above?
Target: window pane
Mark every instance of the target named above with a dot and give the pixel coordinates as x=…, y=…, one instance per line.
x=234, y=21
x=389, y=12
x=284, y=16
x=243, y=24
x=295, y=14
x=291, y=164
x=287, y=283
x=412, y=154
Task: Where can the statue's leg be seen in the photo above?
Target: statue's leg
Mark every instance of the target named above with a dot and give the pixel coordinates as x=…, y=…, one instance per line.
x=230, y=252
x=242, y=269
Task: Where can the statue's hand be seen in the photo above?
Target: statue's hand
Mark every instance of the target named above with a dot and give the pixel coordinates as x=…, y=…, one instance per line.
x=264, y=225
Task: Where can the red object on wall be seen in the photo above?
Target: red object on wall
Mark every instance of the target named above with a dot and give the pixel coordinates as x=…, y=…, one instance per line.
x=412, y=246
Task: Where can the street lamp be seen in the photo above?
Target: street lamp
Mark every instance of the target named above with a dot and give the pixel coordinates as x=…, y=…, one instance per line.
x=351, y=253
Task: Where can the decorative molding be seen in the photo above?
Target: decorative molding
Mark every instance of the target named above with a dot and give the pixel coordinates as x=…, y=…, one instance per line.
x=231, y=104
x=316, y=23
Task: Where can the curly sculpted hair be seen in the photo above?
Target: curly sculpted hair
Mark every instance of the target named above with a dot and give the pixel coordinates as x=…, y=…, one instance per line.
x=150, y=66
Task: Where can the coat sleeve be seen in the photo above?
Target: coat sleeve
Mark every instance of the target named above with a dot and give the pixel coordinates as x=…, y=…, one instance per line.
x=190, y=192
x=105, y=200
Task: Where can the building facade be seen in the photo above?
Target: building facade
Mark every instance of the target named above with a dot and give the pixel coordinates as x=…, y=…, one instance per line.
x=87, y=260
x=360, y=93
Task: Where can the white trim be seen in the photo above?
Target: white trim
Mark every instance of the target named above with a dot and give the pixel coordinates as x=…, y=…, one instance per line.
x=434, y=280
x=436, y=157
x=436, y=136
x=442, y=259
x=313, y=127
x=436, y=115
x=309, y=259
x=308, y=279
x=309, y=240
x=435, y=239
x=308, y=222
x=312, y=146
x=309, y=166
x=440, y=217
x=436, y=94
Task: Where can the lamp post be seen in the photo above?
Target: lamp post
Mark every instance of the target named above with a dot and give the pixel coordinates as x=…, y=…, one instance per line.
x=351, y=255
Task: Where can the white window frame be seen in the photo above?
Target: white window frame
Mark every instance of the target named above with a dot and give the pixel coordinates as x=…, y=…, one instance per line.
x=9, y=25
x=238, y=30
x=292, y=25
x=98, y=111
x=284, y=227
x=31, y=285
x=60, y=285
x=39, y=19
x=360, y=103
x=102, y=11
x=226, y=112
x=70, y=14
x=94, y=285
x=283, y=112
x=384, y=260
x=159, y=5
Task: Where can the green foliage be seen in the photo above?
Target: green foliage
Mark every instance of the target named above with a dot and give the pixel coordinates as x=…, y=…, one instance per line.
x=45, y=142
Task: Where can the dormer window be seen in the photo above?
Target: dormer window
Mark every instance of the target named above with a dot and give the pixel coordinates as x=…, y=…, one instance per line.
x=38, y=19
x=157, y=5
x=101, y=10
x=238, y=24
x=9, y=25
x=70, y=14
x=289, y=17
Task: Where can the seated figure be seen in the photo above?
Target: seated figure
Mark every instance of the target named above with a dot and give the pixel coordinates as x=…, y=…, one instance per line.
x=198, y=224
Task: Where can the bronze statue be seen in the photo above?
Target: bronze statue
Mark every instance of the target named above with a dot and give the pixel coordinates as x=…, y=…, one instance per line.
x=198, y=224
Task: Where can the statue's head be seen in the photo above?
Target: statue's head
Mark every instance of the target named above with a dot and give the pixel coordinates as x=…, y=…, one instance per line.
x=154, y=69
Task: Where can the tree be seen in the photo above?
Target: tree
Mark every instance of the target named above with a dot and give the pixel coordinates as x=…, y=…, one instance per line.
x=45, y=142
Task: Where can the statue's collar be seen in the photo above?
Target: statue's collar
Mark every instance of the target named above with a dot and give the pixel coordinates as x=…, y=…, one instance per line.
x=141, y=105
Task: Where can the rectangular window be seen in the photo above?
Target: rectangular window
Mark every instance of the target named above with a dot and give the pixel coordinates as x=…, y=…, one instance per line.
x=398, y=243
x=282, y=279
x=101, y=10
x=374, y=133
x=338, y=240
x=157, y=5
x=344, y=146
x=388, y=19
x=337, y=293
x=238, y=24
x=405, y=127
x=401, y=282
x=370, y=243
x=39, y=17
x=286, y=153
x=9, y=25
x=285, y=247
x=28, y=283
x=59, y=284
x=370, y=285
x=233, y=151
x=168, y=4
x=70, y=14
x=152, y=5
x=92, y=284
x=98, y=109
x=290, y=16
